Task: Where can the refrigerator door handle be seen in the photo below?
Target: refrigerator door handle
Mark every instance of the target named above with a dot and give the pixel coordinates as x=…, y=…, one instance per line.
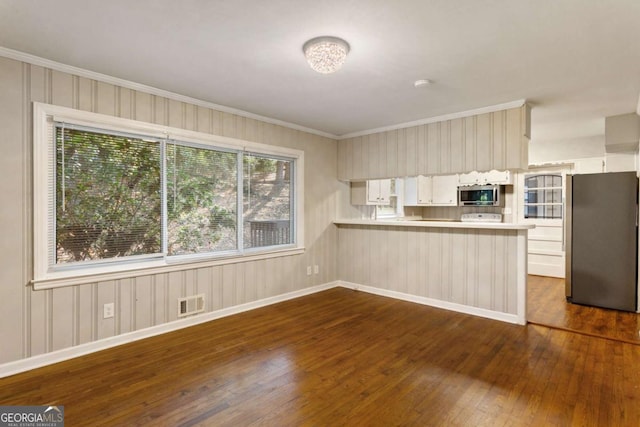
x=564, y=224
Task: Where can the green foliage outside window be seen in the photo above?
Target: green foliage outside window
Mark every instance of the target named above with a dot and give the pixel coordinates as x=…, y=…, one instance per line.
x=108, y=201
x=201, y=200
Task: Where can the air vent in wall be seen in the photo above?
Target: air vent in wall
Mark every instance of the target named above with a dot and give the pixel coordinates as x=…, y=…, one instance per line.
x=190, y=305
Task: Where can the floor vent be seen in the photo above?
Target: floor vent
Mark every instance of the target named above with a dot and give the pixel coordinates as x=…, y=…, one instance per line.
x=190, y=305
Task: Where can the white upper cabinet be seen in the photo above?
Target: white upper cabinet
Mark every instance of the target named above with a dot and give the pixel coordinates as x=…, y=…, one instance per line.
x=379, y=191
x=471, y=178
x=486, y=178
x=445, y=190
x=371, y=192
x=439, y=190
x=498, y=140
x=499, y=177
x=417, y=191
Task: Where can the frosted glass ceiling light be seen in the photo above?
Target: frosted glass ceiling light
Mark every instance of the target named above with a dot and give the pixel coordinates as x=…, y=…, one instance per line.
x=326, y=54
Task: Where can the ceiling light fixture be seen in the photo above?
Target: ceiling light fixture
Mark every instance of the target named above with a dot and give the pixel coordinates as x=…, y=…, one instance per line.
x=422, y=83
x=326, y=54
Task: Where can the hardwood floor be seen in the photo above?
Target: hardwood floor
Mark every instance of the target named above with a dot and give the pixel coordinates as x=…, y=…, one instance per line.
x=342, y=357
x=547, y=305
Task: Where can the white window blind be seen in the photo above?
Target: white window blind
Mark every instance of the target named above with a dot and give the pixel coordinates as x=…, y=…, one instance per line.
x=202, y=200
x=108, y=201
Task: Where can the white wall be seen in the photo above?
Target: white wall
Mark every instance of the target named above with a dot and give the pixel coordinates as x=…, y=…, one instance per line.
x=38, y=322
x=564, y=150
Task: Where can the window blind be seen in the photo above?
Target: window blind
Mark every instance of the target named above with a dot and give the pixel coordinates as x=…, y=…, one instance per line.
x=107, y=198
x=201, y=199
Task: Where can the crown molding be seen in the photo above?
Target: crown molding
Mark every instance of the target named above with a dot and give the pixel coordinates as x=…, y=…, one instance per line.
x=47, y=63
x=468, y=113
x=42, y=62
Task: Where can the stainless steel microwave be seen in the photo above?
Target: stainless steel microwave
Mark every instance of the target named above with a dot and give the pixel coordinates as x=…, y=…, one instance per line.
x=480, y=195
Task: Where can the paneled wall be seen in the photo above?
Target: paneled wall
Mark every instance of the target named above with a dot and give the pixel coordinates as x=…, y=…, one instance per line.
x=469, y=267
x=497, y=140
x=37, y=322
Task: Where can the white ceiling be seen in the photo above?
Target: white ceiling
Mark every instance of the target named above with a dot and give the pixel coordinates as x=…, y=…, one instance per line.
x=575, y=61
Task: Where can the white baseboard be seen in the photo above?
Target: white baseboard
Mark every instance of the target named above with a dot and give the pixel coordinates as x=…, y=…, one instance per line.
x=475, y=311
x=550, y=270
x=23, y=365
x=40, y=360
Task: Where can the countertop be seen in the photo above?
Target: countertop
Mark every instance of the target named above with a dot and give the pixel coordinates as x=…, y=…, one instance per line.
x=434, y=224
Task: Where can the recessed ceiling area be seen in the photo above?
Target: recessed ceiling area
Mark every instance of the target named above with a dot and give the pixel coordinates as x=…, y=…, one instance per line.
x=575, y=61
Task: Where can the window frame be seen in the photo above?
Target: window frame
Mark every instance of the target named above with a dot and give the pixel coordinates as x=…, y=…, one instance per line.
x=553, y=169
x=544, y=204
x=45, y=276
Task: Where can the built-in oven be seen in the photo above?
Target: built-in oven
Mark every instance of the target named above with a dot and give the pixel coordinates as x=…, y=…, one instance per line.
x=481, y=195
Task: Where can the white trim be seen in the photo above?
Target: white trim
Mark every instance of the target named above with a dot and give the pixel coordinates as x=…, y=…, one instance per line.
x=158, y=267
x=521, y=276
x=555, y=254
x=425, y=121
x=547, y=270
x=43, y=278
x=40, y=360
x=542, y=238
x=47, y=63
x=460, y=308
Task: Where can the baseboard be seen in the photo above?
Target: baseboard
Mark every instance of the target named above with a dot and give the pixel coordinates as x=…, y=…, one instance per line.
x=23, y=365
x=549, y=270
x=460, y=308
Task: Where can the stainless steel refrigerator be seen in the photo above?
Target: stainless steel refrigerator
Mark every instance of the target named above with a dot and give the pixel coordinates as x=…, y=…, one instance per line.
x=601, y=240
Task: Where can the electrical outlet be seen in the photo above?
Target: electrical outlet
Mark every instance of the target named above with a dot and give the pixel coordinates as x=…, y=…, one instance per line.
x=308, y=270
x=108, y=310
x=316, y=269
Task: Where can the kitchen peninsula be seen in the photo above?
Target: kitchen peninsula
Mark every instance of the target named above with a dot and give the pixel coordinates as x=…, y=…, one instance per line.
x=474, y=268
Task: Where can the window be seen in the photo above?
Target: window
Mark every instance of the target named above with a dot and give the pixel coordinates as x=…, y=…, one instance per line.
x=395, y=208
x=202, y=193
x=112, y=195
x=267, y=201
x=543, y=196
x=108, y=201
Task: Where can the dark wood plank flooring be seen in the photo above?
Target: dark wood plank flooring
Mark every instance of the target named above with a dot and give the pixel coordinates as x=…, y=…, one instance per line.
x=348, y=358
x=547, y=305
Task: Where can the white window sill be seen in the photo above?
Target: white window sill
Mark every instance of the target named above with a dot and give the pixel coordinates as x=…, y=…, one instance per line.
x=123, y=271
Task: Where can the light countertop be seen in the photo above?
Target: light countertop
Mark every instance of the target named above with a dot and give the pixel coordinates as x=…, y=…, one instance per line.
x=392, y=222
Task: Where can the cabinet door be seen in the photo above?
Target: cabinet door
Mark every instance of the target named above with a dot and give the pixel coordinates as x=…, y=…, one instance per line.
x=498, y=177
x=471, y=178
x=373, y=191
x=384, y=191
x=411, y=191
x=425, y=191
x=417, y=191
x=378, y=192
x=445, y=190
